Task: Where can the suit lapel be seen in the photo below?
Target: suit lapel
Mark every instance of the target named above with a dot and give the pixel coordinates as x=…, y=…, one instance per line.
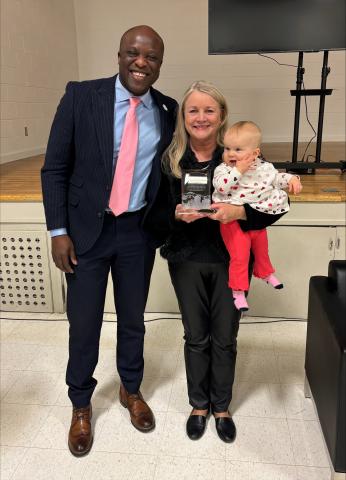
x=103, y=110
x=163, y=111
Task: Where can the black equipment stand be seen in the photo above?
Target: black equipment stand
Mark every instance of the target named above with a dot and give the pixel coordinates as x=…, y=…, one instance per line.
x=310, y=167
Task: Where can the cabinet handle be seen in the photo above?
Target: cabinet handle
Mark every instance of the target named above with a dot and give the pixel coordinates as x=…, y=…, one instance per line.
x=330, y=244
x=337, y=243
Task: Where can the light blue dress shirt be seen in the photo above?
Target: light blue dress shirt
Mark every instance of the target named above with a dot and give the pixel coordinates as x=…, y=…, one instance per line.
x=148, y=138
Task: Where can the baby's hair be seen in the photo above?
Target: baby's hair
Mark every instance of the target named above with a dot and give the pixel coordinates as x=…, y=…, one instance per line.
x=250, y=127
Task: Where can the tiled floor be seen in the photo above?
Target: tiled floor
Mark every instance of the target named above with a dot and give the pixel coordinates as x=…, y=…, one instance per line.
x=278, y=436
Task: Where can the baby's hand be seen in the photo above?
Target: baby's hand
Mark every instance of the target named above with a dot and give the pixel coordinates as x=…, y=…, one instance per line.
x=245, y=163
x=294, y=185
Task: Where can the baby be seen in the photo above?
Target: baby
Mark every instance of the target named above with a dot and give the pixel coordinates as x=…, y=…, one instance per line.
x=244, y=177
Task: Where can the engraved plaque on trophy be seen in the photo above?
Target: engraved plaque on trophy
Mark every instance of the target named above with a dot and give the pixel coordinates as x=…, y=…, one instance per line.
x=196, y=189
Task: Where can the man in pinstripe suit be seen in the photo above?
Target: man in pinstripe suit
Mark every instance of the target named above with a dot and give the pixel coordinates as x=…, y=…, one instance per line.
x=88, y=240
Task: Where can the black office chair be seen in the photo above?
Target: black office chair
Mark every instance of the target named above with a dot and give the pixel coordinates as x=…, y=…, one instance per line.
x=325, y=359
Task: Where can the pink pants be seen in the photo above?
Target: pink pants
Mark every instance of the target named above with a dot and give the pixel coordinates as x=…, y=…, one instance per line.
x=239, y=244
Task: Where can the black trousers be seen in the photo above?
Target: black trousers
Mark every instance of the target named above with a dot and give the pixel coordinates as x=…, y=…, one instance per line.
x=122, y=248
x=211, y=324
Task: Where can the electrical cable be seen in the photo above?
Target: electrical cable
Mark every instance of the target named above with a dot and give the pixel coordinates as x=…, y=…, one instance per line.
x=308, y=120
x=271, y=58
x=306, y=107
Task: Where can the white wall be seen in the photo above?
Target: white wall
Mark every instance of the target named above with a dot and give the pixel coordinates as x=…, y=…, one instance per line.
x=256, y=87
x=38, y=57
x=39, y=40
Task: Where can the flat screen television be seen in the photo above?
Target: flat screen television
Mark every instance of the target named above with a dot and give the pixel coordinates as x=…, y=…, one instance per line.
x=259, y=26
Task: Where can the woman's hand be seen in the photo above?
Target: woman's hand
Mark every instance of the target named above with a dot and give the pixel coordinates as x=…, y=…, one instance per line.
x=187, y=215
x=227, y=213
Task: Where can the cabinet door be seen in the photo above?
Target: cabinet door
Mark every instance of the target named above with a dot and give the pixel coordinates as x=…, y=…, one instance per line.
x=340, y=243
x=297, y=253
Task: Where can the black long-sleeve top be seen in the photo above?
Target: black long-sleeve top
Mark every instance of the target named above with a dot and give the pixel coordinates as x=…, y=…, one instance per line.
x=201, y=240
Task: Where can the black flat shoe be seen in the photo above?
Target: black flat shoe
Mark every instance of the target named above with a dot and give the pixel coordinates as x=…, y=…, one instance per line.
x=225, y=429
x=195, y=426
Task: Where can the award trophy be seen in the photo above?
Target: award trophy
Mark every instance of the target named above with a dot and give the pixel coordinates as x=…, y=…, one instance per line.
x=196, y=190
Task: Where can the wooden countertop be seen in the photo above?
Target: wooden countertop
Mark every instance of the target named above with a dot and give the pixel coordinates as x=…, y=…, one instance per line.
x=20, y=182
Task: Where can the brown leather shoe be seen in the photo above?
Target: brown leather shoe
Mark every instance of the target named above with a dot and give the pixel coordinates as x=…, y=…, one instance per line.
x=142, y=417
x=80, y=438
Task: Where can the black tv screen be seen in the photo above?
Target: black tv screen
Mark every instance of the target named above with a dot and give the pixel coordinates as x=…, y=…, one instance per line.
x=256, y=26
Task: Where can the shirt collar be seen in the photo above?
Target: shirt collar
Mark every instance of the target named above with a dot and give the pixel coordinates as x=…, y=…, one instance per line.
x=122, y=94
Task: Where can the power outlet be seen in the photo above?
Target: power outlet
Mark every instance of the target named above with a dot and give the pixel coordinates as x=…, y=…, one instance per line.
x=26, y=131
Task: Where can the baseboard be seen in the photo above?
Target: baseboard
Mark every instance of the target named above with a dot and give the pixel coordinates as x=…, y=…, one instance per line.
x=18, y=155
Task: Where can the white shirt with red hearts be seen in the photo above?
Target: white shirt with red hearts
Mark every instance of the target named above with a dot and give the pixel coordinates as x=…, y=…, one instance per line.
x=260, y=187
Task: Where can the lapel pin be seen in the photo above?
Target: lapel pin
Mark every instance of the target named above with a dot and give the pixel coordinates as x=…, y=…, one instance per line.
x=164, y=107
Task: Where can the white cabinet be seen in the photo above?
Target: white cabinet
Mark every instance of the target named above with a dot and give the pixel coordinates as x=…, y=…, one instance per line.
x=297, y=253
x=301, y=245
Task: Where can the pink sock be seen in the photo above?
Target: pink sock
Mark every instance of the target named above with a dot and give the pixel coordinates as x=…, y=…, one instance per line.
x=273, y=281
x=240, y=301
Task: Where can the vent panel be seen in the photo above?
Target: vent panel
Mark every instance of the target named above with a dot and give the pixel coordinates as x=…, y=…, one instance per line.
x=24, y=272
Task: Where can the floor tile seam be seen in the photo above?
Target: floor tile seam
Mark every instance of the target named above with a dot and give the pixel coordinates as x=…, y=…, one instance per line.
x=58, y=378
x=258, y=383
x=294, y=355
x=290, y=416
x=254, y=462
x=45, y=345
x=160, y=377
x=237, y=415
x=169, y=399
x=44, y=371
x=292, y=444
x=23, y=343
x=264, y=462
x=314, y=420
x=278, y=464
x=155, y=468
x=177, y=359
x=160, y=349
x=167, y=377
x=195, y=457
x=256, y=351
x=20, y=463
x=94, y=449
x=237, y=382
x=163, y=348
x=31, y=404
x=26, y=370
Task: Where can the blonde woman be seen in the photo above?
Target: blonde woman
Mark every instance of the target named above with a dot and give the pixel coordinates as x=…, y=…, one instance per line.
x=198, y=262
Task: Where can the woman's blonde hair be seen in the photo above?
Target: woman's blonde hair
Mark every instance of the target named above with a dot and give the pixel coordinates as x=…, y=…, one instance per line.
x=174, y=153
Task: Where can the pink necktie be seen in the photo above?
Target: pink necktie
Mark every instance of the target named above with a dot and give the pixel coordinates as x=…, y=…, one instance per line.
x=122, y=182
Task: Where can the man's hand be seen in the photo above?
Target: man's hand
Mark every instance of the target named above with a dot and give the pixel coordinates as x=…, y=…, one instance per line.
x=63, y=253
x=227, y=213
x=294, y=185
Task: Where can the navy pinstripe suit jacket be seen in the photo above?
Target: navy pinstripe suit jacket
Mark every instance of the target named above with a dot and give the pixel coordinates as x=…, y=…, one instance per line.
x=77, y=173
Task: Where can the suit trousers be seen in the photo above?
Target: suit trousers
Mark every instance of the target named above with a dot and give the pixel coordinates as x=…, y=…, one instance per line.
x=123, y=249
x=211, y=324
